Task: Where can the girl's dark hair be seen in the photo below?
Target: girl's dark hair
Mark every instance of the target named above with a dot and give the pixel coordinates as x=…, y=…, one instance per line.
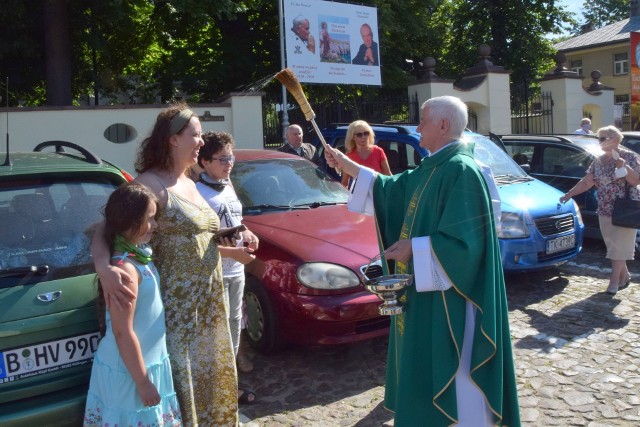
x=155, y=150
x=125, y=211
x=213, y=142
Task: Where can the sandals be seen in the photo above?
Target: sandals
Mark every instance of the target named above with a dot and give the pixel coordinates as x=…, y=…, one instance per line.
x=246, y=395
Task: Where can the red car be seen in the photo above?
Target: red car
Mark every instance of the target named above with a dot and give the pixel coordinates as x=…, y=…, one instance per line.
x=306, y=284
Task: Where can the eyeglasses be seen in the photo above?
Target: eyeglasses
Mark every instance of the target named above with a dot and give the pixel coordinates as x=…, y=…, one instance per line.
x=603, y=138
x=361, y=134
x=225, y=160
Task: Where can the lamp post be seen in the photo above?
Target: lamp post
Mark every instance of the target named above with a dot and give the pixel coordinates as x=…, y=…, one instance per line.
x=285, y=114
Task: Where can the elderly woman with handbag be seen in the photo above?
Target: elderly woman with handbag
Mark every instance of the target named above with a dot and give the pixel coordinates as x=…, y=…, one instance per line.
x=615, y=173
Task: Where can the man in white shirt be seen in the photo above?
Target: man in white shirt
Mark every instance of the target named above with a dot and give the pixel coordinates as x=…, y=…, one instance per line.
x=585, y=127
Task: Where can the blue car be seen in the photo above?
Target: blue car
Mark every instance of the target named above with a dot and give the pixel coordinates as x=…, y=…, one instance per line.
x=536, y=232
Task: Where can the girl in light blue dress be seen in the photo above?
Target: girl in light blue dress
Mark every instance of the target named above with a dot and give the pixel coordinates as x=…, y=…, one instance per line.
x=131, y=382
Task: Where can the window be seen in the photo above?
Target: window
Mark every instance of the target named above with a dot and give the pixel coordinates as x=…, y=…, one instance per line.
x=120, y=133
x=521, y=153
x=620, y=63
x=622, y=99
x=392, y=151
x=576, y=65
x=564, y=162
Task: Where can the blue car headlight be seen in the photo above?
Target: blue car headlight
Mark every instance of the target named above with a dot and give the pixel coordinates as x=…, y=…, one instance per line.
x=578, y=214
x=324, y=275
x=512, y=226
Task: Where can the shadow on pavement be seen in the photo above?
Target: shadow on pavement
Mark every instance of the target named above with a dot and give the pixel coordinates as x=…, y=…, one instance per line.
x=577, y=320
x=524, y=289
x=375, y=416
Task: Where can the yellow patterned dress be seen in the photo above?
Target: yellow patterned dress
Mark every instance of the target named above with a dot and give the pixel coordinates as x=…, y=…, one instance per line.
x=198, y=338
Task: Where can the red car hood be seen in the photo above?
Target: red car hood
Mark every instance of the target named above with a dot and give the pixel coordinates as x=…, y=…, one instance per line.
x=327, y=233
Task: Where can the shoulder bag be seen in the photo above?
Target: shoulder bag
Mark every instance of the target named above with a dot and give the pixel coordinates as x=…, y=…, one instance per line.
x=626, y=212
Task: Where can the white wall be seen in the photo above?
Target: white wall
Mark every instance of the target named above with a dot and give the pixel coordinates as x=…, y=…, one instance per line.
x=238, y=114
x=489, y=99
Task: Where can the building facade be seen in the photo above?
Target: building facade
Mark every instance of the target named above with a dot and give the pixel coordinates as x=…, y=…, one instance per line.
x=605, y=49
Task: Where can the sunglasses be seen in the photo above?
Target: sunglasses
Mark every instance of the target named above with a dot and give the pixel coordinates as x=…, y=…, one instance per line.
x=603, y=138
x=225, y=160
x=361, y=134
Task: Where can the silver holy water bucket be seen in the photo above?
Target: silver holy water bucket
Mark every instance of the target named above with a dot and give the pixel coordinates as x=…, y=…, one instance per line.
x=389, y=289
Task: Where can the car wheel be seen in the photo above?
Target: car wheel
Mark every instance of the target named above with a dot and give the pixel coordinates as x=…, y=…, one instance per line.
x=262, y=324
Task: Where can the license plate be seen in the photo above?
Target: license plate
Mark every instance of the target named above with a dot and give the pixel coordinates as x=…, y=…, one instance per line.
x=43, y=358
x=561, y=243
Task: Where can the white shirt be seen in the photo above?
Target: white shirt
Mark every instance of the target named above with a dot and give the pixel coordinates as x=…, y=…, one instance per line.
x=229, y=209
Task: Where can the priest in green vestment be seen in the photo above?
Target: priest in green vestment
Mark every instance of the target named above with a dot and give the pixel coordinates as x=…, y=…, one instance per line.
x=450, y=361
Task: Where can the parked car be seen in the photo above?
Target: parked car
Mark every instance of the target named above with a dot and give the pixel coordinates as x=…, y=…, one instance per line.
x=48, y=322
x=560, y=161
x=537, y=232
x=306, y=284
x=631, y=140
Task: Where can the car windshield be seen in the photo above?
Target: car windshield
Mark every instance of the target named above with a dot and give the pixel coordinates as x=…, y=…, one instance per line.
x=493, y=156
x=285, y=183
x=490, y=154
x=46, y=228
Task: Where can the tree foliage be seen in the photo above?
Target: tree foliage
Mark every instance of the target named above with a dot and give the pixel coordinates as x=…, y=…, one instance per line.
x=206, y=48
x=604, y=12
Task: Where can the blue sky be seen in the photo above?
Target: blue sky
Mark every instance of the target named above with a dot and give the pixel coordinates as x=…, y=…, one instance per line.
x=573, y=6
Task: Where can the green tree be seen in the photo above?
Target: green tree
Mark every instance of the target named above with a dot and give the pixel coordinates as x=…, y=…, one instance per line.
x=515, y=33
x=605, y=12
x=206, y=48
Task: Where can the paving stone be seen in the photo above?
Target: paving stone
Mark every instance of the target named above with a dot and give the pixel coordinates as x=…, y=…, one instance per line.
x=576, y=355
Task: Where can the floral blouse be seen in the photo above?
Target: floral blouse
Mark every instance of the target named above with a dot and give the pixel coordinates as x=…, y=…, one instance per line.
x=608, y=186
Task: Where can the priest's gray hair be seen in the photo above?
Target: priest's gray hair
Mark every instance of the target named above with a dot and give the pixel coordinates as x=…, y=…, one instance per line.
x=449, y=108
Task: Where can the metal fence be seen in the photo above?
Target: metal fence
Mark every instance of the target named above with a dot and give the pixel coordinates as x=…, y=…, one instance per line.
x=531, y=114
x=394, y=108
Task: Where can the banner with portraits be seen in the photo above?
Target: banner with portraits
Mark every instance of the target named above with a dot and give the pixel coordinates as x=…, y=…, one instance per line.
x=329, y=42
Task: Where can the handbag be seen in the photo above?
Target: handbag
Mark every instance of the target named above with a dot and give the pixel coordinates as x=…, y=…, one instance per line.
x=626, y=211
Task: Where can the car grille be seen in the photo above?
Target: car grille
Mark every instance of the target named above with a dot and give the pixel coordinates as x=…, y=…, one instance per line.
x=557, y=224
x=371, y=271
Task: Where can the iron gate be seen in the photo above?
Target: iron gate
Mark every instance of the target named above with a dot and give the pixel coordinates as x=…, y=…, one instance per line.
x=531, y=113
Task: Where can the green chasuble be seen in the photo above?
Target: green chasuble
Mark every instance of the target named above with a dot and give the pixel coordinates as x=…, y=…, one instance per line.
x=452, y=205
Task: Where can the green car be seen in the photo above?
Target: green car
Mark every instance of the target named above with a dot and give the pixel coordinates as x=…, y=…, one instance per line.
x=48, y=316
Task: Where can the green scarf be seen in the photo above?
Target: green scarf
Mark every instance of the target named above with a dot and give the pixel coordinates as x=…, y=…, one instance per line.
x=142, y=253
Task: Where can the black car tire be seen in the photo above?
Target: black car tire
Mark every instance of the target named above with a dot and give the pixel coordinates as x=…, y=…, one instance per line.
x=262, y=323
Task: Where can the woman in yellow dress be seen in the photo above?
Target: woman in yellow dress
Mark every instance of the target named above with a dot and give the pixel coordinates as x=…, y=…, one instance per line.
x=198, y=338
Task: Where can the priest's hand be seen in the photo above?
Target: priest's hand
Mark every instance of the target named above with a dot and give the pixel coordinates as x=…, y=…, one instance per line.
x=339, y=161
x=400, y=251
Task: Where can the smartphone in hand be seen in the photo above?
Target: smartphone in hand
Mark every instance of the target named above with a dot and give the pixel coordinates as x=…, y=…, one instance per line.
x=228, y=232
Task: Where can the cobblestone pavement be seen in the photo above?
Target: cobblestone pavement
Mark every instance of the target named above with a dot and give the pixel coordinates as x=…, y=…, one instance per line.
x=577, y=357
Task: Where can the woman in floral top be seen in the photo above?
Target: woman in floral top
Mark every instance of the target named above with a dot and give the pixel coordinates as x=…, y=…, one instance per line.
x=611, y=173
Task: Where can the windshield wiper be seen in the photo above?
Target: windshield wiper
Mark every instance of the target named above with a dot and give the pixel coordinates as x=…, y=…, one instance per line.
x=24, y=271
x=267, y=207
x=314, y=205
x=512, y=178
